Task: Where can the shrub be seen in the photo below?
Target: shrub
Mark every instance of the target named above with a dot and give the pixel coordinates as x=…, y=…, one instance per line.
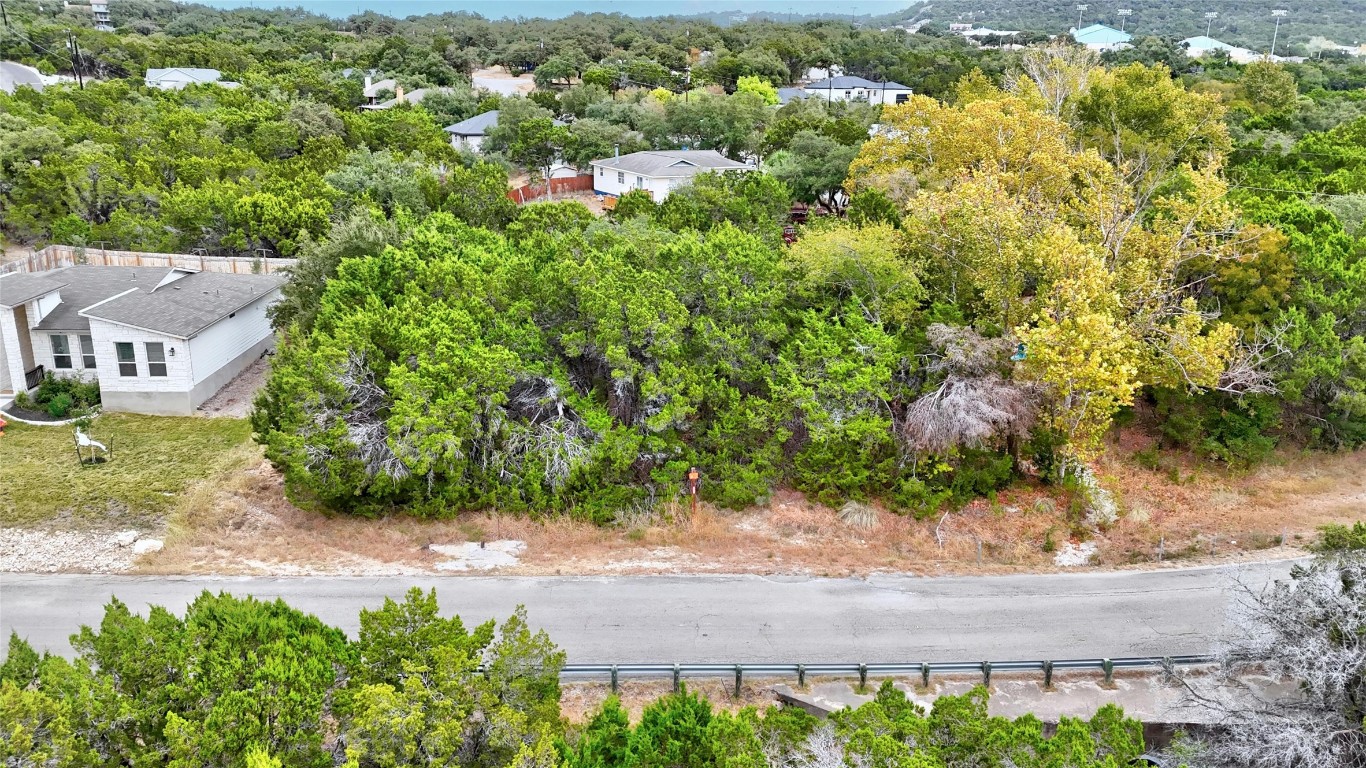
x=1236, y=431
x=60, y=405
x=1149, y=458
x=858, y=515
x=1340, y=538
x=60, y=396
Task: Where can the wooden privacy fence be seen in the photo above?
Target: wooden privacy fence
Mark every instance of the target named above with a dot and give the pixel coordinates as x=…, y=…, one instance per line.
x=58, y=256
x=525, y=194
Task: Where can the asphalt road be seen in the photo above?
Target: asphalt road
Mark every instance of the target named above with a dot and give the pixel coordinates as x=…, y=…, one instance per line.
x=724, y=619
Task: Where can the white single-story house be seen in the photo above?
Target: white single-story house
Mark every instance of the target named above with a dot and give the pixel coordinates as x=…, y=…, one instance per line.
x=158, y=340
x=1099, y=37
x=850, y=88
x=175, y=78
x=470, y=133
x=1201, y=46
x=658, y=171
x=970, y=31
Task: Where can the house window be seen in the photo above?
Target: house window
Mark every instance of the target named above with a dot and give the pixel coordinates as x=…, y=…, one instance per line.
x=61, y=351
x=128, y=363
x=847, y=94
x=602, y=172
x=156, y=358
x=87, y=353
x=621, y=177
x=902, y=98
x=640, y=182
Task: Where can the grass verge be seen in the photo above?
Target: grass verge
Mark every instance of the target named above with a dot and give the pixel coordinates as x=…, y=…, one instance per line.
x=155, y=459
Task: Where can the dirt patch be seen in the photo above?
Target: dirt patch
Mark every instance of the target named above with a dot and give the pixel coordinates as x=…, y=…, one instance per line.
x=243, y=524
x=591, y=200
x=235, y=398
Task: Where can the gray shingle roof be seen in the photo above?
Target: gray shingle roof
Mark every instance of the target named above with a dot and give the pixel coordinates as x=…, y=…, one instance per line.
x=480, y=124
x=186, y=306
x=185, y=74
x=849, y=81
x=181, y=308
x=19, y=287
x=788, y=94
x=388, y=84
x=474, y=126
x=672, y=163
x=85, y=285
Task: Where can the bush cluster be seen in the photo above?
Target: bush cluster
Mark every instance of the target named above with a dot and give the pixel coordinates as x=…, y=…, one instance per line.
x=62, y=396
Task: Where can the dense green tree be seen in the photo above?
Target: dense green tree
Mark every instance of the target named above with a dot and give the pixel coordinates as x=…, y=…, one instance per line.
x=814, y=167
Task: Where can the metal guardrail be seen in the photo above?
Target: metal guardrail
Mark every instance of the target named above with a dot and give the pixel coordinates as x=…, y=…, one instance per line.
x=678, y=672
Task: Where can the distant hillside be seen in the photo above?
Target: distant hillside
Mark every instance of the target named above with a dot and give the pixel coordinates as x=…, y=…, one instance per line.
x=1247, y=23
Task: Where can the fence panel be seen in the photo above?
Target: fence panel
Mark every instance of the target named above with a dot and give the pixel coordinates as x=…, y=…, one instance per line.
x=531, y=192
x=58, y=256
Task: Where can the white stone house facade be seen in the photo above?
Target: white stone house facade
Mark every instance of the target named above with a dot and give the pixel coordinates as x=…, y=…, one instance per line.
x=850, y=88
x=158, y=341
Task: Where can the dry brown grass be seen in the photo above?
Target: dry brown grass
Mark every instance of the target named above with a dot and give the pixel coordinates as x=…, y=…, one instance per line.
x=241, y=523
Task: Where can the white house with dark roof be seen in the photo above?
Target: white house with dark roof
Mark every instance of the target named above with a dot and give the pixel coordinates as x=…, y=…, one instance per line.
x=159, y=341
x=658, y=172
x=850, y=88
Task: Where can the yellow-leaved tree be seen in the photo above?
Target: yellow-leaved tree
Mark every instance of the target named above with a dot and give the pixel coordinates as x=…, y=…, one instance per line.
x=1058, y=220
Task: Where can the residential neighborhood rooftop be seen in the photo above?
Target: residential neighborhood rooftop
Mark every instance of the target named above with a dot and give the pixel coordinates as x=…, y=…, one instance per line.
x=186, y=305
x=196, y=74
x=1099, y=34
x=672, y=162
x=480, y=124
x=850, y=81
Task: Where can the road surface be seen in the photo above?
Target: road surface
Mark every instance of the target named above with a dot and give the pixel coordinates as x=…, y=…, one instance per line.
x=723, y=619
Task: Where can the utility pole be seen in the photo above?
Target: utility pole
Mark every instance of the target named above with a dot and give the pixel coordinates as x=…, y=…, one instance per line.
x=1080, y=10
x=4, y=15
x=1124, y=13
x=1275, y=35
x=1209, y=21
x=75, y=57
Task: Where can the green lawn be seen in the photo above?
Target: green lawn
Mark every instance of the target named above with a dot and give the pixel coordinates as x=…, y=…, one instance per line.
x=155, y=459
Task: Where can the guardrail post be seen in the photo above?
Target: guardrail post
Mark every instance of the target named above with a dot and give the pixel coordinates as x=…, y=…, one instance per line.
x=924, y=674
x=1108, y=667
x=739, y=677
x=614, y=678
x=801, y=675
x=678, y=677
x=1047, y=675
x=862, y=677
x=986, y=673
